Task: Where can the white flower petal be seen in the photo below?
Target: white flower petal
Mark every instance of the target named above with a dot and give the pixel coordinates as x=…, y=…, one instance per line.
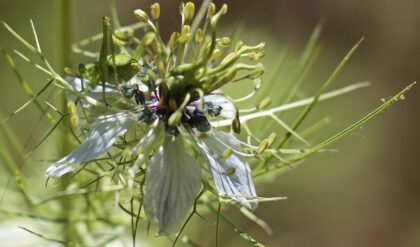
x=240, y=182
x=228, y=108
x=103, y=134
x=173, y=181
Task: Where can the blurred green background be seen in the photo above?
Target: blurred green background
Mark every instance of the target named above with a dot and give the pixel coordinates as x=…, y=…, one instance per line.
x=367, y=193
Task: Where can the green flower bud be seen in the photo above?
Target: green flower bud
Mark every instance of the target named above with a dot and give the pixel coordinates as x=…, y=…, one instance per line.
x=74, y=117
x=156, y=46
x=216, y=54
x=189, y=11
x=155, y=11
x=261, y=148
x=199, y=36
x=230, y=171
x=256, y=55
x=236, y=125
x=74, y=121
x=173, y=40
x=71, y=107
x=117, y=41
x=239, y=45
x=265, y=103
x=185, y=34
x=271, y=138
x=148, y=38
x=227, y=153
x=121, y=35
x=211, y=10
x=160, y=65
x=225, y=41
x=141, y=15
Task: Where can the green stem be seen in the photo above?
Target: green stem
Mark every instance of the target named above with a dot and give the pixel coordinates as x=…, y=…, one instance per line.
x=317, y=96
x=65, y=33
x=114, y=14
x=238, y=230
x=399, y=96
x=65, y=60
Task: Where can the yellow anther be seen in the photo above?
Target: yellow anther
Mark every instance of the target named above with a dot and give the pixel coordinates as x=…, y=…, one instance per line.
x=141, y=15
x=189, y=11
x=155, y=11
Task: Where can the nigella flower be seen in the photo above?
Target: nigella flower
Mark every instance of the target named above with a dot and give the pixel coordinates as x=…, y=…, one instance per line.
x=174, y=177
x=151, y=87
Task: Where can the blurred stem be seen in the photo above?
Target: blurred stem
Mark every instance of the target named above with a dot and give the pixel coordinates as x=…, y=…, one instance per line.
x=65, y=21
x=10, y=136
x=114, y=14
x=65, y=33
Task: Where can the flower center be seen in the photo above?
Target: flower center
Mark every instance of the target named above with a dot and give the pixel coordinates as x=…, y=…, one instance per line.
x=155, y=103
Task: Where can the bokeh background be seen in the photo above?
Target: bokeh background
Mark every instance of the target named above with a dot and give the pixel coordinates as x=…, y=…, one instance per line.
x=365, y=194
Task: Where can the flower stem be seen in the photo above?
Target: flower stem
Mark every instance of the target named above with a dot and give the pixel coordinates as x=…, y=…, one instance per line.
x=65, y=26
x=65, y=33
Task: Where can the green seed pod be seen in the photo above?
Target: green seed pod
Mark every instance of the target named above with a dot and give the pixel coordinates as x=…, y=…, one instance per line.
x=155, y=11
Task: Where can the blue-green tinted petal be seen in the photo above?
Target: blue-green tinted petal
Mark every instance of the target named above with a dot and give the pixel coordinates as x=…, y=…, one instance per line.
x=103, y=134
x=172, y=183
x=227, y=183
